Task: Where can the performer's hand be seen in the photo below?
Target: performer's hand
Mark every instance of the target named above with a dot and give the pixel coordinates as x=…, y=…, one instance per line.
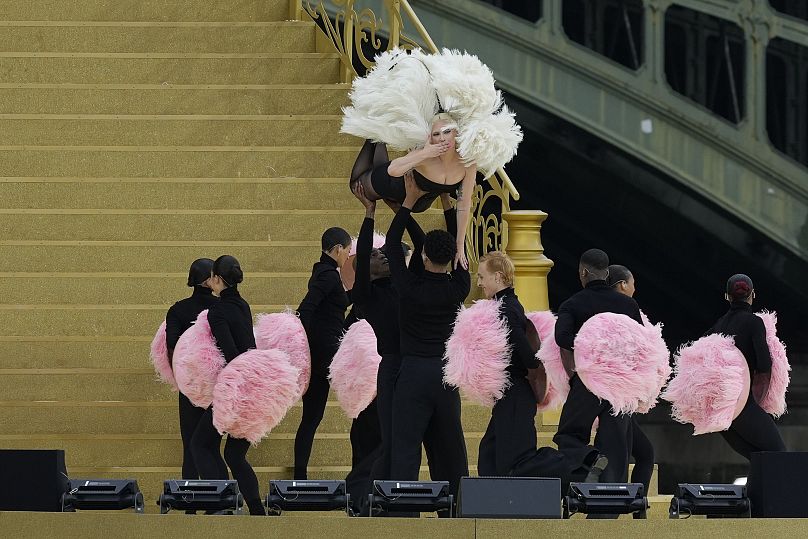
x=434, y=150
x=460, y=258
x=359, y=193
x=414, y=192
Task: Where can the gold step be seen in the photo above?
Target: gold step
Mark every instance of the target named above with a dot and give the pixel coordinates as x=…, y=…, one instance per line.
x=177, y=161
x=109, y=450
x=278, y=36
x=161, y=417
x=144, y=10
x=126, y=289
x=182, y=225
x=306, y=194
x=170, y=68
x=161, y=106
x=160, y=256
x=89, y=320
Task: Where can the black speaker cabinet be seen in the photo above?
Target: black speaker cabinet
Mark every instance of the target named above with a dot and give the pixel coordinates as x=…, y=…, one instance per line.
x=777, y=483
x=509, y=497
x=32, y=479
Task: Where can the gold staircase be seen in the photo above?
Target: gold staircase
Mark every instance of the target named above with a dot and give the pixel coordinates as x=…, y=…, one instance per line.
x=134, y=138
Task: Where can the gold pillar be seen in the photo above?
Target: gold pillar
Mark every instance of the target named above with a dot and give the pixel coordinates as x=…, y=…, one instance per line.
x=525, y=249
x=295, y=10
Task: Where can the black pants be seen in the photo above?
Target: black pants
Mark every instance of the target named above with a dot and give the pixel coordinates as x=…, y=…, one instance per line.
x=314, y=402
x=426, y=411
x=753, y=430
x=385, y=387
x=614, y=433
x=370, y=168
x=511, y=433
x=205, y=446
x=643, y=452
x=189, y=419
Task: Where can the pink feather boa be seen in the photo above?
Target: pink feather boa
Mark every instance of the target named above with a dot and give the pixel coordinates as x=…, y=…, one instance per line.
x=477, y=353
x=197, y=362
x=618, y=360
x=354, y=369
x=769, y=389
x=158, y=353
x=253, y=393
x=558, y=382
x=710, y=384
x=378, y=243
x=663, y=368
x=285, y=332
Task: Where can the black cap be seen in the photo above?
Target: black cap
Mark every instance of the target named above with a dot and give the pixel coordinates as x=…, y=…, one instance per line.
x=200, y=271
x=739, y=286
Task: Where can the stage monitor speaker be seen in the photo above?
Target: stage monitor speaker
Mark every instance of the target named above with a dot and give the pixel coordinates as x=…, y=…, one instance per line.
x=509, y=497
x=776, y=484
x=32, y=479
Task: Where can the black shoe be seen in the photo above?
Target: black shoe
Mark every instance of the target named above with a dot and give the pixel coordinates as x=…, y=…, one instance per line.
x=596, y=469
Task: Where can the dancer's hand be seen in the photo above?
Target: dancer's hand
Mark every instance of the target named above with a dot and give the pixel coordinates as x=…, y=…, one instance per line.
x=359, y=193
x=460, y=258
x=434, y=150
x=414, y=192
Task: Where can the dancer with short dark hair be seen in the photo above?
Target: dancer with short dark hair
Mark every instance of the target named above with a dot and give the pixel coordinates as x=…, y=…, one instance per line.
x=424, y=409
x=582, y=406
x=322, y=312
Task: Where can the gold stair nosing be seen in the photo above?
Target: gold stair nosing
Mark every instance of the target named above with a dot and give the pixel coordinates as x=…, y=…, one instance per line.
x=178, y=55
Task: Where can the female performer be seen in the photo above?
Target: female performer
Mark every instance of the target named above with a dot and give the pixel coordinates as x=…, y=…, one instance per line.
x=180, y=317
x=232, y=326
x=753, y=430
x=322, y=313
x=436, y=168
x=622, y=280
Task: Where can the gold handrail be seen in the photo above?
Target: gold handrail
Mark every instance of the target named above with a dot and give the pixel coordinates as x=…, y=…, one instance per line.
x=351, y=33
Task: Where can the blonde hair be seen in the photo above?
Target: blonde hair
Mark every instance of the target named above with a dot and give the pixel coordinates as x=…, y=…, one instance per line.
x=443, y=117
x=499, y=262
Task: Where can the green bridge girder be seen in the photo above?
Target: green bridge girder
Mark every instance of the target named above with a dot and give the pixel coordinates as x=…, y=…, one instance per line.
x=733, y=165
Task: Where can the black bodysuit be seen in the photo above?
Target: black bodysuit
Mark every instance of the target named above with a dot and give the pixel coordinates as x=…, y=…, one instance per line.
x=179, y=318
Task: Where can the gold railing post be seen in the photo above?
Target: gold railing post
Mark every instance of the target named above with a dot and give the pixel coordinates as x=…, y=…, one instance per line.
x=348, y=71
x=395, y=22
x=295, y=10
x=525, y=249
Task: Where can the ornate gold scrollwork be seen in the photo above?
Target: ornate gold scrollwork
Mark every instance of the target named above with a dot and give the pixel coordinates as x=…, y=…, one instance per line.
x=357, y=33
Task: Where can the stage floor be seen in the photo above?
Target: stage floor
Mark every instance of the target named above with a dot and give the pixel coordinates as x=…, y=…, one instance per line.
x=293, y=526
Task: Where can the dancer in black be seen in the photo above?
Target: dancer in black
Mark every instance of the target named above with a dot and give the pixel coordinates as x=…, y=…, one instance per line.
x=753, y=430
x=232, y=326
x=622, y=280
x=180, y=317
x=322, y=313
x=582, y=407
x=424, y=409
x=509, y=444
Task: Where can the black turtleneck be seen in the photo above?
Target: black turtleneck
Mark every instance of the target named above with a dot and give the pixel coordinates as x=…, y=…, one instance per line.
x=523, y=357
x=750, y=335
x=428, y=302
x=596, y=297
x=231, y=324
x=183, y=314
x=322, y=311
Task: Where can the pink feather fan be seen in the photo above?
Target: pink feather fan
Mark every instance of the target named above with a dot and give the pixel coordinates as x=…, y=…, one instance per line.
x=284, y=331
x=618, y=360
x=253, y=393
x=770, y=389
x=477, y=353
x=197, y=362
x=710, y=384
x=158, y=353
x=354, y=369
x=558, y=382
